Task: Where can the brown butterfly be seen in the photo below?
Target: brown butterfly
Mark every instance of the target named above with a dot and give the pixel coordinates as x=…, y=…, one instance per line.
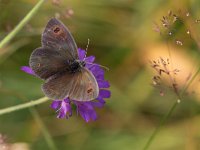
x=58, y=64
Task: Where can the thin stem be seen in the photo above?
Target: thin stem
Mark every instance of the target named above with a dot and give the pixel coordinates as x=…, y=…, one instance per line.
x=23, y=106
x=171, y=110
x=36, y=117
x=160, y=125
x=190, y=81
x=11, y=35
x=43, y=128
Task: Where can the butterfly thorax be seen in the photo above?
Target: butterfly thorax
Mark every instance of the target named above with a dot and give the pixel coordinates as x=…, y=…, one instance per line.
x=76, y=65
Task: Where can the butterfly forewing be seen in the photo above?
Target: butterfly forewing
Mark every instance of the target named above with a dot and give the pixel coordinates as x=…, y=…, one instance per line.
x=46, y=62
x=80, y=86
x=57, y=36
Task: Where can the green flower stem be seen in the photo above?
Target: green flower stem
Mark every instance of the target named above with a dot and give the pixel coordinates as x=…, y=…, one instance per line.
x=161, y=124
x=171, y=110
x=43, y=128
x=36, y=117
x=23, y=106
x=190, y=81
x=11, y=35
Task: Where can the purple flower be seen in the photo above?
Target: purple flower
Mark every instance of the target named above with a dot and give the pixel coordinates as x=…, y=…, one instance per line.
x=85, y=109
x=63, y=107
x=27, y=70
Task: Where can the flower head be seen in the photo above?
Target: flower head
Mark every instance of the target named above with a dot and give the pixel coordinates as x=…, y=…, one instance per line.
x=85, y=109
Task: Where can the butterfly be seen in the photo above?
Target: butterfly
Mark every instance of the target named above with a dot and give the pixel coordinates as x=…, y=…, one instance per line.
x=57, y=62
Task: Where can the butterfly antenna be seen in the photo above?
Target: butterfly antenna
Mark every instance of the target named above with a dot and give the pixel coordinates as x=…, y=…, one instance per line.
x=87, y=48
x=106, y=68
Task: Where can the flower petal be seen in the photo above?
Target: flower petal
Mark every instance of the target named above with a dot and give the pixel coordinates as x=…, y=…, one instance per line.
x=81, y=54
x=101, y=100
x=84, y=115
x=93, y=115
x=97, y=72
x=103, y=84
x=65, y=110
x=104, y=93
x=98, y=104
x=67, y=100
x=89, y=59
x=86, y=110
x=56, y=104
x=27, y=70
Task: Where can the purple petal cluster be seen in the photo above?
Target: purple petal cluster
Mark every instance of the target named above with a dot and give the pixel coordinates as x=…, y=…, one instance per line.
x=85, y=109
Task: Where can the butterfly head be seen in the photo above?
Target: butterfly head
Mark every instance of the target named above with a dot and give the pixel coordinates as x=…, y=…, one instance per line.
x=82, y=63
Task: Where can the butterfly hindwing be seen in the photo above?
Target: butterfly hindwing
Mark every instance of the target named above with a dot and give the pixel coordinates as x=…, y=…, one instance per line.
x=57, y=36
x=80, y=86
x=58, y=86
x=86, y=87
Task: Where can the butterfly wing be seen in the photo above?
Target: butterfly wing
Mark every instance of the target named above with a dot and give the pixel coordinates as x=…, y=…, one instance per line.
x=58, y=86
x=46, y=62
x=85, y=88
x=50, y=63
x=81, y=86
x=57, y=37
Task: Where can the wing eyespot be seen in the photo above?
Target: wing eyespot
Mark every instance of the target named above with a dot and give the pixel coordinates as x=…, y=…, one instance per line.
x=56, y=30
x=90, y=90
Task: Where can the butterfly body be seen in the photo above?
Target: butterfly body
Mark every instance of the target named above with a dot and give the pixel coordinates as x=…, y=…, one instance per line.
x=57, y=63
x=76, y=66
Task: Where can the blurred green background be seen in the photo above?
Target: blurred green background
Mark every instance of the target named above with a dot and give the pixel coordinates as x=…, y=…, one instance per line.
x=121, y=38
